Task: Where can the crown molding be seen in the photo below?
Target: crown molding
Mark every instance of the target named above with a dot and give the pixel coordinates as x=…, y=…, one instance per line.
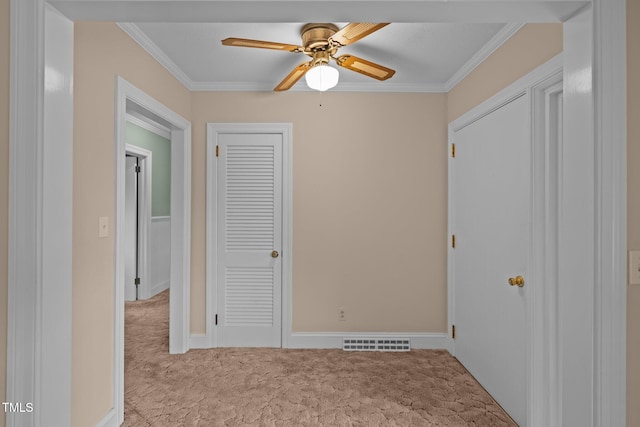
x=145, y=42
x=492, y=45
x=386, y=87
x=231, y=87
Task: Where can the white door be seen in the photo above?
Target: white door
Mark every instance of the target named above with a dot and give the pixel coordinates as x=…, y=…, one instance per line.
x=491, y=203
x=249, y=239
x=130, y=229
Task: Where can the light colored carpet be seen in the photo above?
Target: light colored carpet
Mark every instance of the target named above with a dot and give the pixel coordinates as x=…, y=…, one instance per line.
x=280, y=387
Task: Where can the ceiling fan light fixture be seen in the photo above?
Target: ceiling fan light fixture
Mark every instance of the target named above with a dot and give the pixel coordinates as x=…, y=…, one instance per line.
x=322, y=77
x=321, y=42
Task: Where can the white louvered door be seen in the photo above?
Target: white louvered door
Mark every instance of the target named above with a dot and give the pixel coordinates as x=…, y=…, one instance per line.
x=249, y=222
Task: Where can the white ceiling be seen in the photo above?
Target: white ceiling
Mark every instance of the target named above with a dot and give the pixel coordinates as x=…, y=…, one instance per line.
x=427, y=57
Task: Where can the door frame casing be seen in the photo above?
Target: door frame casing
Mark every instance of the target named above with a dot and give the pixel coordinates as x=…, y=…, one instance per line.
x=144, y=216
x=544, y=347
x=213, y=130
x=543, y=77
x=40, y=212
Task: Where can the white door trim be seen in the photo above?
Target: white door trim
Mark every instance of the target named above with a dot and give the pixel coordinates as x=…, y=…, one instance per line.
x=539, y=80
x=605, y=51
x=180, y=227
x=144, y=216
x=148, y=124
x=39, y=323
x=213, y=130
x=545, y=384
x=608, y=22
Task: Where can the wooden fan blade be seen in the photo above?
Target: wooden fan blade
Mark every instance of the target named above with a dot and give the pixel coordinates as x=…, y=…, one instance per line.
x=293, y=77
x=261, y=44
x=355, y=31
x=365, y=67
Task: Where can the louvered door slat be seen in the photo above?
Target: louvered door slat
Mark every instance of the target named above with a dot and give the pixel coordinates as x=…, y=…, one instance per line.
x=250, y=196
x=249, y=297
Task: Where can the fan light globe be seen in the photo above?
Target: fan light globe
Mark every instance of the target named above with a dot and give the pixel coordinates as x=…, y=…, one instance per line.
x=322, y=77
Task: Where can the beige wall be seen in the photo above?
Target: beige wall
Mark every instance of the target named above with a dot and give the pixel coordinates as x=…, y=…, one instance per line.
x=633, y=208
x=369, y=205
x=102, y=51
x=4, y=192
x=530, y=47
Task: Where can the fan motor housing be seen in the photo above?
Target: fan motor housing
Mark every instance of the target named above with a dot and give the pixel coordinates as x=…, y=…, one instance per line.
x=315, y=36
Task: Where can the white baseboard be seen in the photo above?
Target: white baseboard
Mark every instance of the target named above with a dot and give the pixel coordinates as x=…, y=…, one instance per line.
x=199, y=341
x=419, y=340
x=109, y=420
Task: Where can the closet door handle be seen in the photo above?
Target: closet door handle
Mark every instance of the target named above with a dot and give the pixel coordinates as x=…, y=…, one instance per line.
x=516, y=281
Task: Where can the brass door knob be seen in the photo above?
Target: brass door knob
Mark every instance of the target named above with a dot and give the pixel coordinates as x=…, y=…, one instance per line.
x=516, y=281
x=275, y=254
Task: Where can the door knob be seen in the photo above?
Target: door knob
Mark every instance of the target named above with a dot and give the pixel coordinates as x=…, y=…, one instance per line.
x=275, y=254
x=516, y=281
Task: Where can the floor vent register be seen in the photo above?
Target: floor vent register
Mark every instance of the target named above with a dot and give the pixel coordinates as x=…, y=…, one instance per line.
x=376, y=344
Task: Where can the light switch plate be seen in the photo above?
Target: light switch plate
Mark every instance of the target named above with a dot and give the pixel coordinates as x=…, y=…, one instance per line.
x=103, y=226
x=634, y=267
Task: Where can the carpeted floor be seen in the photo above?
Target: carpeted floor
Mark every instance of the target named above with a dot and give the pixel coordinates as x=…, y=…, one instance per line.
x=279, y=387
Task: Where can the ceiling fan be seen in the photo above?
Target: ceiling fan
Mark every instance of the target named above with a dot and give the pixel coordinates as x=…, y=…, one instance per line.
x=321, y=42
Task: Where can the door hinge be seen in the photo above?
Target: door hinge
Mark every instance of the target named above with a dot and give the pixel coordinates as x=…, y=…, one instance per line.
x=138, y=169
x=453, y=241
x=453, y=332
x=453, y=150
x=216, y=320
x=136, y=281
x=217, y=151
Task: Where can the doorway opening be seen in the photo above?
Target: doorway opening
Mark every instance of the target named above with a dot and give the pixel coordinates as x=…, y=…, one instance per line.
x=132, y=101
x=148, y=212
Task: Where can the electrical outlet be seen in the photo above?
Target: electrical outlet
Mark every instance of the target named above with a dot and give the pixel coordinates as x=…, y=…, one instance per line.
x=341, y=315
